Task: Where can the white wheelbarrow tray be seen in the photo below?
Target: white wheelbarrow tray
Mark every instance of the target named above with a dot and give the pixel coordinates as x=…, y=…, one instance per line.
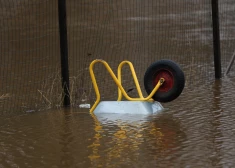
x=128, y=107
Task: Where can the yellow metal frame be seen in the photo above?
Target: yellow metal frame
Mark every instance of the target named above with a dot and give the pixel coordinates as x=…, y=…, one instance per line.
x=117, y=80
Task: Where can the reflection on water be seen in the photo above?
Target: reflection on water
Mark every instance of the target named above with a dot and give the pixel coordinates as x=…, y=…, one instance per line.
x=195, y=130
x=135, y=137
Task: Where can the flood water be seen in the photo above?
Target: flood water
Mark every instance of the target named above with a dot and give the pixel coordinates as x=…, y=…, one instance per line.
x=196, y=130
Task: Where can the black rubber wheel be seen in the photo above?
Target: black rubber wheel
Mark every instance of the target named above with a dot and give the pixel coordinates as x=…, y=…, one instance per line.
x=173, y=84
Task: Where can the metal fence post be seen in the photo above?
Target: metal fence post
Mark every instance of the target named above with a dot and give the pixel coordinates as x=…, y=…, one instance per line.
x=216, y=38
x=64, y=50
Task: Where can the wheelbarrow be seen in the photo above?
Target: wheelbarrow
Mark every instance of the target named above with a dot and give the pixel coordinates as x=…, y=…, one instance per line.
x=163, y=81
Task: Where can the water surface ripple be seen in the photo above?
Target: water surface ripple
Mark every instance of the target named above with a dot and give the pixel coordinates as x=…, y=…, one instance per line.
x=196, y=130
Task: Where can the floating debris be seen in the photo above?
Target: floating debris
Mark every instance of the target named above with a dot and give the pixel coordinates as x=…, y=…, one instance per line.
x=84, y=106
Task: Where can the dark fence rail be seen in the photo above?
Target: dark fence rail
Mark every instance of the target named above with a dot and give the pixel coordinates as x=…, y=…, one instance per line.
x=31, y=46
x=64, y=51
x=216, y=38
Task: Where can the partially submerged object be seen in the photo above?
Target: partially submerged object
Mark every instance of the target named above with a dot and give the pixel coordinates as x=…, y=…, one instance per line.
x=130, y=107
x=163, y=81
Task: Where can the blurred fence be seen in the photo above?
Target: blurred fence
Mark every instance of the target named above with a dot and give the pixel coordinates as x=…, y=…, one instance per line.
x=141, y=31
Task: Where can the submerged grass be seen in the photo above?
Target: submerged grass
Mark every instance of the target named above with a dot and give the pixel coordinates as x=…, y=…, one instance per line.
x=52, y=94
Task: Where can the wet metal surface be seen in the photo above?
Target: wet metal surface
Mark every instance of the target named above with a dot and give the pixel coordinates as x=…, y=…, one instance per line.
x=196, y=130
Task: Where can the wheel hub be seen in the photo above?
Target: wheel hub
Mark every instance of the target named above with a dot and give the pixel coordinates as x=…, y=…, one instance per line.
x=168, y=77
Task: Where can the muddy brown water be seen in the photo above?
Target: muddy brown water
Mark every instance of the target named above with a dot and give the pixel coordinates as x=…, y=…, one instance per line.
x=195, y=130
